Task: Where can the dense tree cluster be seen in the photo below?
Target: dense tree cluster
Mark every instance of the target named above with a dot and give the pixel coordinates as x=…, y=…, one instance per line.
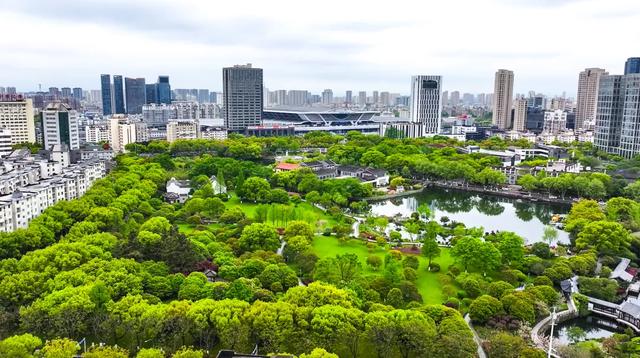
x=114, y=266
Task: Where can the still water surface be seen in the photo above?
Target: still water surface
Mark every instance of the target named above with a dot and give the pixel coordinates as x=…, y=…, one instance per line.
x=493, y=213
x=593, y=326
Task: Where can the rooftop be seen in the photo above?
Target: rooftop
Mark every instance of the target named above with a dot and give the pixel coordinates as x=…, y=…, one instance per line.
x=287, y=166
x=620, y=272
x=316, y=110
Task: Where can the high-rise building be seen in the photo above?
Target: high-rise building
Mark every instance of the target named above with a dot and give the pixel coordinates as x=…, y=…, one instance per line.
x=118, y=95
x=348, y=97
x=60, y=126
x=445, y=98
x=77, y=93
x=376, y=99
x=488, y=99
x=618, y=120
x=403, y=101
x=520, y=114
x=632, y=65
x=16, y=115
x=280, y=98
x=66, y=92
x=362, y=98
x=54, y=92
x=454, y=99
x=586, y=107
x=555, y=121
x=105, y=89
x=297, y=97
x=11, y=90
x=426, y=103
x=213, y=97
x=3, y=90
x=327, y=96
x=163, y=89
x=502, y=99
x=480, y=99
x=193, y=95
x=151, y=93
x=468, y=98
x=135, y=94
x=243, y=101
x=203, y=95
x=385, y=98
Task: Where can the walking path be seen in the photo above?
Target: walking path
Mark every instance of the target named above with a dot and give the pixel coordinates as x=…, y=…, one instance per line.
x=476, y=338
x=537, y=331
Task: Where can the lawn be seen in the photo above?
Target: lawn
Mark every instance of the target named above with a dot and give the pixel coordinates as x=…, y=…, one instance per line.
x=304, y=210
x=427, y=283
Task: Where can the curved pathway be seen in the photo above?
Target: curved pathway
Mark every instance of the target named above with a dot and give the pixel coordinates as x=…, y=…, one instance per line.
x=540, y=341
x=476, y=338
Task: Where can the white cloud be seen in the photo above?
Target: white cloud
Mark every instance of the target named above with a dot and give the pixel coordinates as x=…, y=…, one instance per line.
x=342, y=45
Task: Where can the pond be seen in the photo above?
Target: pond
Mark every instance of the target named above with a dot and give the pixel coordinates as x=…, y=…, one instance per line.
x=594, y=327
x=493, y=213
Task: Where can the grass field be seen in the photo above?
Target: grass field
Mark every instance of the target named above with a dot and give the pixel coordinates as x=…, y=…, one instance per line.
x=427, y=282
x=304, y=210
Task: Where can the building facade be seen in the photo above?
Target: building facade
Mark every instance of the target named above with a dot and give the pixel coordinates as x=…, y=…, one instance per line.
x=105, y=88
x=60, y=126
x=135, y=94
x=520, y=114
x=362, y=98
x=586, y=106
x=555, y=121
x=118, y=95
x=29, y=185
x=632, y=65
x=502, y=99
x=426, y=103
x=5, y=142
x=243, y=100
x=327, y=97
x=609, y=116
x=16, y=115
x=163, y=88
x=183, y=129
x=96, y=133
x=123, y=132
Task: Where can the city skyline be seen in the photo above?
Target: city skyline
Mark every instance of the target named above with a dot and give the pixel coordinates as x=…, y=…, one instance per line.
x=328, y=49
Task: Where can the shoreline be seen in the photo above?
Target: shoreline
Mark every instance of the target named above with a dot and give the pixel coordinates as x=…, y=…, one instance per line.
x=474, y=189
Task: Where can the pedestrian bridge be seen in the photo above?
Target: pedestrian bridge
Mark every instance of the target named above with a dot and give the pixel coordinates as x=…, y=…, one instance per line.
x=626, y=313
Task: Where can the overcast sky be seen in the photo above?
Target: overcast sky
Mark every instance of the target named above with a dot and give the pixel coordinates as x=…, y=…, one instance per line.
x=357, y=45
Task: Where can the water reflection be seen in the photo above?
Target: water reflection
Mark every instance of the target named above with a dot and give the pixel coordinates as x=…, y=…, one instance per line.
x=493, y=213
x=594, y=327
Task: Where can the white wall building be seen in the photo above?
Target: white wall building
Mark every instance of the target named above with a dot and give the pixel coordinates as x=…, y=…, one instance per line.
x=555, y=122
x=96, y=133
x=5, y=142
x=123, y=132
x=587, y=103
x=60, y=126
x=520, y=114
x=426, y=104
x=16, y=114
x=502, y=99
x=182, y=129
x=29, y=185
x=209, y=132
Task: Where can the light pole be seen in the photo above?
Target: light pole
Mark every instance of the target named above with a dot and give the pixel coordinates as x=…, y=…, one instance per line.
x=553, y=321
